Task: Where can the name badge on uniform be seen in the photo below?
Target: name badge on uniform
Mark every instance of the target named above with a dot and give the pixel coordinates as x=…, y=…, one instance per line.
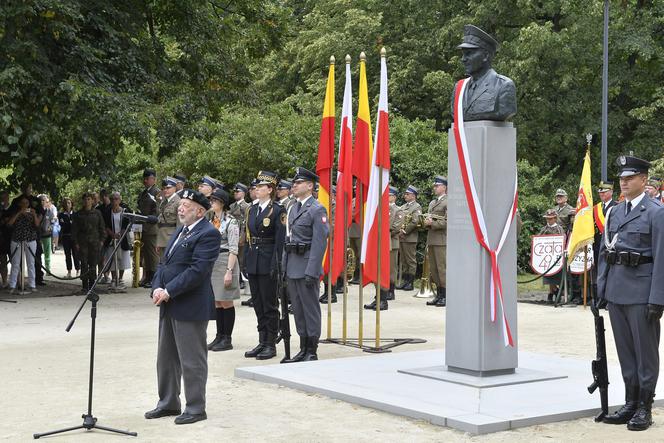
x=266, y=222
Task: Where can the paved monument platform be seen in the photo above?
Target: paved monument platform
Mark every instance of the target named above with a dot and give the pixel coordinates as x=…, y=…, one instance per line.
x=544, y=389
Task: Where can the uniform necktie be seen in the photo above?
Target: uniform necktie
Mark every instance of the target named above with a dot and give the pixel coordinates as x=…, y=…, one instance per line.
x=629, y=207
x=299, y=206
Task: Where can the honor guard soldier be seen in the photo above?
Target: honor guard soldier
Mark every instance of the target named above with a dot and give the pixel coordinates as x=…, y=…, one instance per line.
x=283, y=194
x=180, y=184
x=409, y=236
x=148, y=205
x=564, y=210
x=266, y=229
x=168, y=213
x=306, y=241
x=238, y=209
x=630, y=256
x=436, y=227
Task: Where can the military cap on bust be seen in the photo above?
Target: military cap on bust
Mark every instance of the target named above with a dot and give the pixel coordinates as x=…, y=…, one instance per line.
x=412, y=190
x=303, y=174
x=394, y=191
x=196, y=197
x=149, y=172
x=474, y=37
x=550, y=213
x=605, y=186
x=284, y=184
x=180, y=178
x=211, y=182
x=267, y=178
x=168, y=182
x=240, y=187
x=631, y=166
x=222, y=196
x=440, y=180
x=561, y=192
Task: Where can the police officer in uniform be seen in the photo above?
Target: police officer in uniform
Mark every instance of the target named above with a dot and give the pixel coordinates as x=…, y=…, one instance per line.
x=408, y=237
x=266, y=228
x=306, y=241
x=148, y=205
x=168, y=213
x=437, y=239
x=283, y=194
x=631, y=254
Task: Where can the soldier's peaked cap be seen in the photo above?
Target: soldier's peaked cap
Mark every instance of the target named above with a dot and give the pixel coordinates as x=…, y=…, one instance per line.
x=631, y=166
x=474, y=37
x=303, y=174
x=412, y=189
x=267, y=178
x=241, y=187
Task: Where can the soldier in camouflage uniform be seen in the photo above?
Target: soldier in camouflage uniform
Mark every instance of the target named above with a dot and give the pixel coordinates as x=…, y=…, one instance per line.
x=168, y=213
x=437, y=240
x=148, y=205
x=88, y=233
x=564, y=211
x=408, y=237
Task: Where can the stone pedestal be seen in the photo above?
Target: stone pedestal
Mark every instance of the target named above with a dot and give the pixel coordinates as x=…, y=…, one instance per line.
x=473, y=344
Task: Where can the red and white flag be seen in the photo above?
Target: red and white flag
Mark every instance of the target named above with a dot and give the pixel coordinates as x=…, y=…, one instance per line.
x=374, y=247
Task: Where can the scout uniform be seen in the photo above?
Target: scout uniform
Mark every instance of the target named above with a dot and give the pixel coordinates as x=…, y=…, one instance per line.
x=168, y=214
x=306, y=241
x=148, y=205
x=437, y=244
x=408, y=239
x=630, y=256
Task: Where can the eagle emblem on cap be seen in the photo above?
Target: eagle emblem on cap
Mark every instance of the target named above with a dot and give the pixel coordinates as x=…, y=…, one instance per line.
x=622, y=160
x=186, y=194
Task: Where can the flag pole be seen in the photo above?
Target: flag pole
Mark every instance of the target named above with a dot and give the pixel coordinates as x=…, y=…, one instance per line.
x=330, y=239
x=585, y=275
x=344, y=332
x=360, y=324
x=380, y=235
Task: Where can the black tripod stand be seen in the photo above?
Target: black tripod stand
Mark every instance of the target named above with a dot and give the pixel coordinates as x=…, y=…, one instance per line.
x=89, y=421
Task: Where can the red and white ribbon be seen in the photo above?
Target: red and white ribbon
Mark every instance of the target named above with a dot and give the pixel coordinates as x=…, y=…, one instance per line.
x=476, y=214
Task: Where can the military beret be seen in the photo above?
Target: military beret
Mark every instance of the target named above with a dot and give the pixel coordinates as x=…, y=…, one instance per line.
x=303, y=174
x=284, y=184
x=605, y=186
x=474, y=37
x=631, y=166
x=222, y=196
x=196, y=197
x=211, y=182
x=168, y=182
x=241, y=187
x=439, y=180
x=267, y=178
x=394, y=190
x=561, y=192
x=412, y=190
x=149, y=172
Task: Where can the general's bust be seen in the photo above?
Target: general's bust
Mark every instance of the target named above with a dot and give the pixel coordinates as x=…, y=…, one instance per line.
x=489, y=95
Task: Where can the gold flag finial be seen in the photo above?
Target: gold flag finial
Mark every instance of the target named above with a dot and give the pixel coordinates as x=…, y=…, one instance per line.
x=347, y=58
x=383, y=52
x=363, y=56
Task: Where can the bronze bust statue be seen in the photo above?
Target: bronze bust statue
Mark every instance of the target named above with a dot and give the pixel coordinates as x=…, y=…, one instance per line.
x=489, y=95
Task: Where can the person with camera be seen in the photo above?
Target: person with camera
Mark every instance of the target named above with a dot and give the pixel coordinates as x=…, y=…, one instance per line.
x=23, y=222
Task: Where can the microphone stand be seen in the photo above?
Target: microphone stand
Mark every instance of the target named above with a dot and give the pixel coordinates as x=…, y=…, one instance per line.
x=89, y=421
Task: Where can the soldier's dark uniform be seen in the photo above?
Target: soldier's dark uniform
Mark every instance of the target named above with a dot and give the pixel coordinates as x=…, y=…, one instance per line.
x=308, y=229
x=408, y=240
x=266, y=229
x=629, y=279
x=88, y=232
x=148, y=204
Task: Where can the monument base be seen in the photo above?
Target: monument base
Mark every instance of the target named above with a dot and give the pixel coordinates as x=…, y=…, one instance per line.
x=556, y=390
x=474, y=373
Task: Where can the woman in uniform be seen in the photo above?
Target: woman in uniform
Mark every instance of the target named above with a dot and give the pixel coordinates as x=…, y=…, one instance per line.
x=266, y=228
x=226, y=271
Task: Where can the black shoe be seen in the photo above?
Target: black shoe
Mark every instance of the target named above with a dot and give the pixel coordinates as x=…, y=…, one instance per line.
x=261, y=343
x=300, y=355
x=642, y=418
x=626, y=411
x=434, y=301
x=312, y=347
x=224, y=344
x=249, y=303
x=408, y=285
x=389, y=295
x=372, y=305
x=268, y=351
x=158, y=413
x=187, y=419
x=217, y=339
x=41, y=283
x=442, y=298
x=338, y=289
x=323, y=299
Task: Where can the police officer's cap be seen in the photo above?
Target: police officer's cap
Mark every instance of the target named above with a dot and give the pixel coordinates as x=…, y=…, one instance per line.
x=168, y=182
x=303, y=174
x=605, y=186
x=222, y=196
x=180, y=178
x=394, y=191
x=149, y=172
x=253, y=183
x=240, y=187
x=284, y=184
x=631, y=166
x=207, y=180
x=550, y=213
x=196, y=197
x=561, y=192
x=440, y=180
x=267, y=178
x=474, y=37
x=412, y=190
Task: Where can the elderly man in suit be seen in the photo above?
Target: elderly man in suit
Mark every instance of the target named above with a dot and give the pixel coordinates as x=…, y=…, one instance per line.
x=306, y=241
x=182, y=288
x=630, y=256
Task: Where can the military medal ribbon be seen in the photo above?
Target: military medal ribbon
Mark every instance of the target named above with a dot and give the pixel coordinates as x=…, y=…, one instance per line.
x=476, y=214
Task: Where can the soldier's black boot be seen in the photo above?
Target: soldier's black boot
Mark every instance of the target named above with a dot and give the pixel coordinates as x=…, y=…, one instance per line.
x=390, y=293
x=408, y=286
x=261, y=343
x=269, y=348
x=404, y=282
x=442, y=298
x=436, y=298
x=323, y=297
x=642, y=418
x=339, y=287
x=300, y=355
x=626, y=411
x=312, y=347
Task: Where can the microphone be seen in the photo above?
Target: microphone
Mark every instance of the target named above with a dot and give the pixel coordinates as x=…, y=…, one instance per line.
x=150, y=219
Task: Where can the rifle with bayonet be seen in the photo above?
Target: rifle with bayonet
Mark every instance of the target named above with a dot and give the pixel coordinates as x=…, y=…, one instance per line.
x=284, y=321
x=599, y=365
